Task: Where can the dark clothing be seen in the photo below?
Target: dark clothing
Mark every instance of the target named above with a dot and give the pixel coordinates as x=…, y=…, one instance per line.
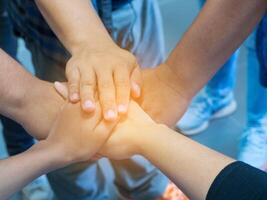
x=239, y=181
x=261, y=45
x=29, y=24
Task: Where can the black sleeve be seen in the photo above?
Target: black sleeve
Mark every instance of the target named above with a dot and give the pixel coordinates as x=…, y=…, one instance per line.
x=239, y=181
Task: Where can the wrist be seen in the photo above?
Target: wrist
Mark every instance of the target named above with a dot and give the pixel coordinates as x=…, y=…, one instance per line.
x=92, y=47
x=146, y=143
x=50, y=154
x=167, y=74
x=58, y=156
x=40, y=105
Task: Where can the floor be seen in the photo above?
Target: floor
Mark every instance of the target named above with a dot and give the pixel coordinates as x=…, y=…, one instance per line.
x=223, y=134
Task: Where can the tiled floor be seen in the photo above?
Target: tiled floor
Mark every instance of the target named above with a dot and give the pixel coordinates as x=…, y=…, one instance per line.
x=223, y=134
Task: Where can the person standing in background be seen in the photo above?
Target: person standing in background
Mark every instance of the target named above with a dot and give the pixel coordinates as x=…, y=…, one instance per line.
x=253, y=144
x=16, y=138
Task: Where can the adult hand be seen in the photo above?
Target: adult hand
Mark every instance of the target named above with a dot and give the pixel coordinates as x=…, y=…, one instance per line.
x=108, y=71
x=77, y=136
x=125, y=139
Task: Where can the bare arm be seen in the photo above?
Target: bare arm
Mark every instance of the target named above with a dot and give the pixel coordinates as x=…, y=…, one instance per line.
x=218, y=30
x=19, y=170
x=192, y=166
x=14, y=85
x=29, y=101
x=75, y=23
x=74, y=137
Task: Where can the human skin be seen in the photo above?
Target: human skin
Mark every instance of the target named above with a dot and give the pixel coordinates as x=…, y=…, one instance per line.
x=67, y=134
x=218, y=30
x=29, y=101
x=176, y=155
x=191, y=166
x=74, y=137
x=97, y=65
x=199, y=54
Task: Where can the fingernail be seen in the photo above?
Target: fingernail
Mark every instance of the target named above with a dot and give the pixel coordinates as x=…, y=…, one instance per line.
x=57, y=84
x=122, y=108
x=89, y=105
x=137, y=89
x=74, y=97
x=111, y=115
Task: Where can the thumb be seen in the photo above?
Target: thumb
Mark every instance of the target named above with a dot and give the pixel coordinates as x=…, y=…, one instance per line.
x=61, y=89
x=136, y=83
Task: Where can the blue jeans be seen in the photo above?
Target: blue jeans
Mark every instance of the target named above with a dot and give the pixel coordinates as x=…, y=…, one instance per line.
x=257, y=94
x=16, y=138
x=135, y=177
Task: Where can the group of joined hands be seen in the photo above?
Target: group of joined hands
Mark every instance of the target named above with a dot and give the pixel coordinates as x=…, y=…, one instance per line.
x=77, y=133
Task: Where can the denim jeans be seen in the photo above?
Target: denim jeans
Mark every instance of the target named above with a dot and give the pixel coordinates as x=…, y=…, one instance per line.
x=136, y=27
x=16, y=138
x=257, y=94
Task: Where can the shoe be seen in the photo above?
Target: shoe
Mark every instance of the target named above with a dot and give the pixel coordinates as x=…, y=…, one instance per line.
x=253, y=147
x=172, y=192
x=203, y=109
x=39, y=189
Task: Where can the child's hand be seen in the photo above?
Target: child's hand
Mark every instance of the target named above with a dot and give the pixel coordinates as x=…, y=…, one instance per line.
x=112, y=71
x=125, y=139
x=77, y=136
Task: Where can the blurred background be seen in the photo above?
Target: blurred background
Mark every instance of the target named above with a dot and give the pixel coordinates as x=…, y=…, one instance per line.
x=222, y=134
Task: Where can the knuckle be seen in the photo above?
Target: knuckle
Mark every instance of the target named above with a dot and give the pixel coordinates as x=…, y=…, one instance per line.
x=73, y=86
x=122, y=82
x=131, y=59
x=87, y=82
x=105, y=84
x=107, y=102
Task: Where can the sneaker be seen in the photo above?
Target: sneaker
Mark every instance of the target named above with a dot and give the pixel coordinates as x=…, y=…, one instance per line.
x=203, y=109
x=172, y=192
x=253, y=147
x=39, y=189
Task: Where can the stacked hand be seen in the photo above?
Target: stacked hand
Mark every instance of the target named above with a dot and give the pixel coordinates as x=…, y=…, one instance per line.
x=78, y=136
x=157, y=94
x=160, y=99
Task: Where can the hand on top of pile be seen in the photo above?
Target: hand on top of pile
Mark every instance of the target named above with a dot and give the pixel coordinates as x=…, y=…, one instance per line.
x=110, y=73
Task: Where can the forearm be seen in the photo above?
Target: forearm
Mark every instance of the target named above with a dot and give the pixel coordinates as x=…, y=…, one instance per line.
x=190, y=165
x=27, y=100
x=75, y=23
x=14, y=84
x=218, y=30
x=17, y=171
